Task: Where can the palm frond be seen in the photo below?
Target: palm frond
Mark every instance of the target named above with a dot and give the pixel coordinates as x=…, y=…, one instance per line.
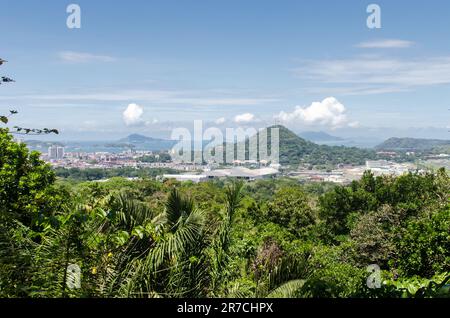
x=287, y=290
x=177, y=207
x=128, y=212
x=175, y=243
x=289, y=268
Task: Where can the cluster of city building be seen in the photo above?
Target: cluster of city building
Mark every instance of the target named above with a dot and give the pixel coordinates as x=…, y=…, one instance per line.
x=345, y=174
x=247, y=169
x=232, y=172
x=107, y=160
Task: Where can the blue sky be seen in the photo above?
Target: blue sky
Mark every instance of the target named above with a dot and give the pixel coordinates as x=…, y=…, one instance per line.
x=309, y=65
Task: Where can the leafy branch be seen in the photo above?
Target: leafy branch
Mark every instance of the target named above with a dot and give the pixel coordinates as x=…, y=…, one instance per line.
x=26, y=131
x=5, y=79
x=21, y=130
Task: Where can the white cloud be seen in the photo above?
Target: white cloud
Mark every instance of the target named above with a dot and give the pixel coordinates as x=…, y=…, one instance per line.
x=182, y=97
x=82, y=57
x=329, y=112
x=132, y=116
x=220, y=121
x=385, y=44
x=374, y=74
x=244, y=118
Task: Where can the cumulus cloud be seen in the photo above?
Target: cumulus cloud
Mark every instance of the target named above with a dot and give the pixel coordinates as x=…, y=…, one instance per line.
x=244, y=118
x=329, y=112
x=220, y=121
x=132, y=115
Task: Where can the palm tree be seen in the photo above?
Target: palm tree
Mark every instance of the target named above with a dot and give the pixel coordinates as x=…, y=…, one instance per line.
x=127, y=250
x=284, y=280
x=124, y=249
x=222, y=239
x=147, y=264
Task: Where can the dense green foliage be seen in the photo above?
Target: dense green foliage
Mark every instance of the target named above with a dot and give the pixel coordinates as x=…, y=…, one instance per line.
x=268, y=238
x=26, y=184
x=100, y=173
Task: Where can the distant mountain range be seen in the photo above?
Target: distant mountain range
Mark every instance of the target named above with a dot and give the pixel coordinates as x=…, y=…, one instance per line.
x=319, y=136
x=137, y=141
x=412, y=144
x=294, y=149
x=40, y=145
x=133, y=141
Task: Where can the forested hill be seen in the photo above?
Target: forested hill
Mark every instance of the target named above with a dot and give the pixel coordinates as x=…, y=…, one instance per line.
x=143, y=142
x=296, y=150
x=412, y=144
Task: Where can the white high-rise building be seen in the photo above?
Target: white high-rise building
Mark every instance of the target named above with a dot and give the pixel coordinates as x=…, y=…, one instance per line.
x=59, y=152
x=55, y=152
x=52, y=152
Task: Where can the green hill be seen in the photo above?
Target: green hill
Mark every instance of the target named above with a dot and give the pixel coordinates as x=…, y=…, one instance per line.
x=143, y=142
x=295, y=150
x=412, y=144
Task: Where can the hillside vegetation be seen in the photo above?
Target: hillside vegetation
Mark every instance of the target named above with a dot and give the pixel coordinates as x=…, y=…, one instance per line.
x=295, y=150
x=412, y=144
x=270, y=238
